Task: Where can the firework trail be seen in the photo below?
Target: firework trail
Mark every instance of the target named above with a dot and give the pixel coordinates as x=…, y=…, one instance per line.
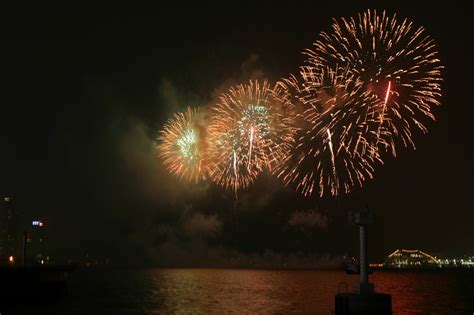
x=333, y=159
x=388, y=93
x=382, y=117
x=252, y=131
x=381, y=51
x=338, y=125
x=251, y=128
x=182, y=145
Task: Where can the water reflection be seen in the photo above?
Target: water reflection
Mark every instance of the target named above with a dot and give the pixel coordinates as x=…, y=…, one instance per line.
x=445, y=292
x=264, y=291
x=217, y=291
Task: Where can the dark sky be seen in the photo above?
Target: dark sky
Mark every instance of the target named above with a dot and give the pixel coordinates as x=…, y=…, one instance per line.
x=83, y=96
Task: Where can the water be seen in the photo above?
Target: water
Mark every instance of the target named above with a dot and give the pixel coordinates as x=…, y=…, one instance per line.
x=218, y=291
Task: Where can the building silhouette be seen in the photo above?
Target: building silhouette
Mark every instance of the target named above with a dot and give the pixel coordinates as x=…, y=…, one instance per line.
x=10, y=236
x=37, y=247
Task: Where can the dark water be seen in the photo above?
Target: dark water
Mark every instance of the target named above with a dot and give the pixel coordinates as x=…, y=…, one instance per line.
x=218, y=291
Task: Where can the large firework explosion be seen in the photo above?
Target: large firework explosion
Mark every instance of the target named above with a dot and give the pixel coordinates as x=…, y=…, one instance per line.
x=367, y=84
x=395, y=60
x=182, y=145
x=251, y=128
x=334, y=149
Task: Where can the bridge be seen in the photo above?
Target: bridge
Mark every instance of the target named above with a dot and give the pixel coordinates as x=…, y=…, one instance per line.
x=410, y=258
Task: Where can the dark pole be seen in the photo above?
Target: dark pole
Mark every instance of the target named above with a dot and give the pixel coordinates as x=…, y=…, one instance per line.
x=363, y=218
x=365, y=300
x=364, y=274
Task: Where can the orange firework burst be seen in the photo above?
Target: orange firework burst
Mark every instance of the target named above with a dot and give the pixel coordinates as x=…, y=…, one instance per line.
x=251, y=128
x=182, y=145
x=335, y=147
x=395, y=61
x=366, y=86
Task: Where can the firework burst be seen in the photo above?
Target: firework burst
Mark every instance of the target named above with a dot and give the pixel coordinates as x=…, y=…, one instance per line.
x=366, y=86
x=334, y=148
x=182, y=145
x=251, y=128
x=394, y=60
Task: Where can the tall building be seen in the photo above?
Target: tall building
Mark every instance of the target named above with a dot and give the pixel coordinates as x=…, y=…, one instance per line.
x=36, y=243
x=9, y=231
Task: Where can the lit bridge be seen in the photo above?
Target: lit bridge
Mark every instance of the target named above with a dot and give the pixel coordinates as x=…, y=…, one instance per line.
x=411, y=258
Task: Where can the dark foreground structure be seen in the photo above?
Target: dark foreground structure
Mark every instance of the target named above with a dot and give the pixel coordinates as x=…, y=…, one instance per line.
x=365, y=300
x=23, y=284
x=32, y=282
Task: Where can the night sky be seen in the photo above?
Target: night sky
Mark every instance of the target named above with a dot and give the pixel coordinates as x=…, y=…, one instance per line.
x=84, y=95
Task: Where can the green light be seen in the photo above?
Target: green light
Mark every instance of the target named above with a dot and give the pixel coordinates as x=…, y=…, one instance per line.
x=187, y=144
x=255, y=115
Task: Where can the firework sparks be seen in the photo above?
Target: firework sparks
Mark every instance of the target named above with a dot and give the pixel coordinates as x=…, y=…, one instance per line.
x=251, y=128
x=381, y=51
x=367, y=84
x=182, y=147
x=330, y=155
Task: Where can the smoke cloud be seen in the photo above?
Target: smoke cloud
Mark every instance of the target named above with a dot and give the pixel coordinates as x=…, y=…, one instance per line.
x=308, y=219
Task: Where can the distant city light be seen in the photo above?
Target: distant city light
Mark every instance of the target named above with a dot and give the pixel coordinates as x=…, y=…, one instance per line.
x=403, y=258
x=37, y=223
